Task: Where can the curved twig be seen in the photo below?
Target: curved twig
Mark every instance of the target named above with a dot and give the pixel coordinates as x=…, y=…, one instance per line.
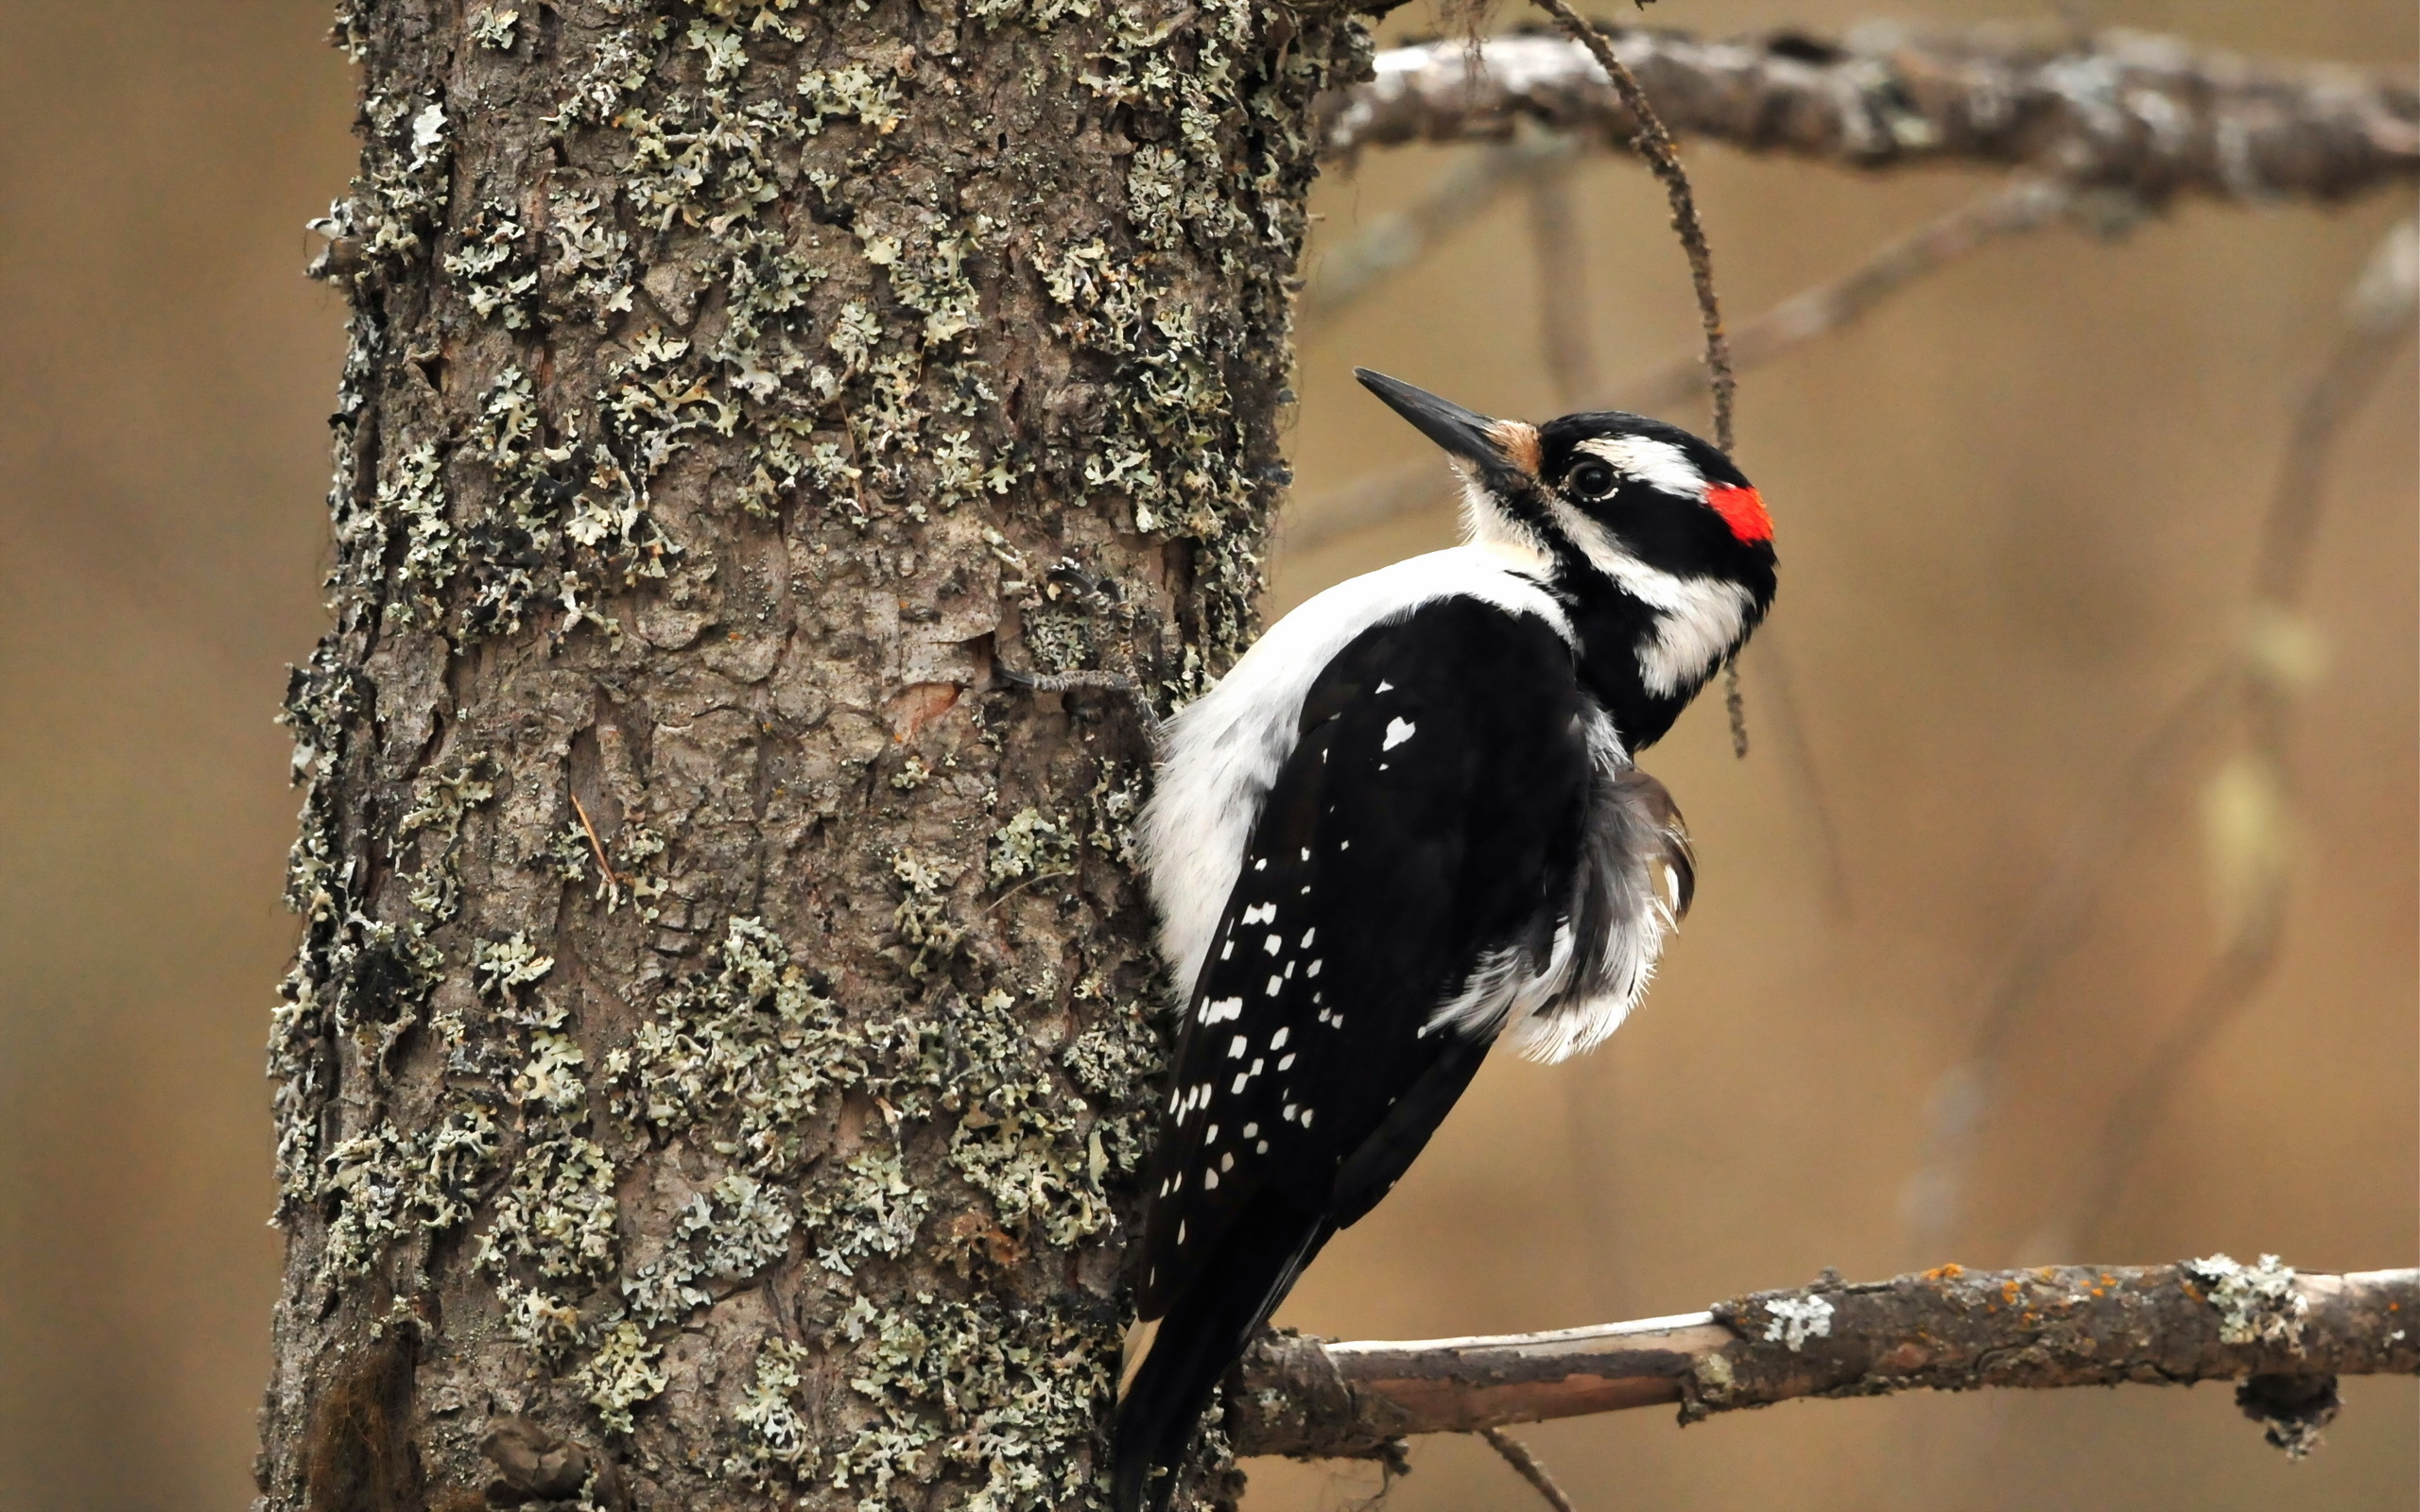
x=1649, y=138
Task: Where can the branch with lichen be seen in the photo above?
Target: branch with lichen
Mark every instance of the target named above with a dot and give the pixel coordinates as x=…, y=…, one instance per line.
x=2281, y=1335
x=2155, y=116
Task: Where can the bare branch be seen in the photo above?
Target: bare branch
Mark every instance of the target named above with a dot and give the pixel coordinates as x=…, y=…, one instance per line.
x=1948, y=1329
x=2153, y=116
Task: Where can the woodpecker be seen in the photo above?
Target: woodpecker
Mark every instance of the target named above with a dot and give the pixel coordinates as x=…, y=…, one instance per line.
x=1406, y=825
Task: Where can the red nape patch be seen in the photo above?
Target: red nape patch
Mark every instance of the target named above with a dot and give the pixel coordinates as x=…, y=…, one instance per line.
x=1742, y=510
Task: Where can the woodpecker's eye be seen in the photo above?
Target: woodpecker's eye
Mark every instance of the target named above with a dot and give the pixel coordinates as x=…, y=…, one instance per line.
x=1590, y=480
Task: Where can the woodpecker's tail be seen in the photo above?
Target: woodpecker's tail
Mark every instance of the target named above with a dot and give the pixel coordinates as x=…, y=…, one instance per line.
x=1203, y=1334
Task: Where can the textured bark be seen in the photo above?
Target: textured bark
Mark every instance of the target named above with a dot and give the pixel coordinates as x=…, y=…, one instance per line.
x=2147, y=116
x=2283, y=1336
x=716, y=1062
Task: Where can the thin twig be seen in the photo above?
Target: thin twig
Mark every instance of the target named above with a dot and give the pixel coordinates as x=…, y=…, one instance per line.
x=1945, y=1330
x=598, y=845
x=1527, y=1467
x=2376, y=321
x=1654, y=144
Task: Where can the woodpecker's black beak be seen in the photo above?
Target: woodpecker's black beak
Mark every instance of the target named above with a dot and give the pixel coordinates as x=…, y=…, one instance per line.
x=1504, y=451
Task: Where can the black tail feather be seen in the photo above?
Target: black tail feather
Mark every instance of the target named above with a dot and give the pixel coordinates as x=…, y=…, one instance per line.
x=1203, y=1335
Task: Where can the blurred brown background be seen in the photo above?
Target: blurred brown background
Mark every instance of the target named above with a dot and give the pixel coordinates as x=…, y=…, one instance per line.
x=2017, y=511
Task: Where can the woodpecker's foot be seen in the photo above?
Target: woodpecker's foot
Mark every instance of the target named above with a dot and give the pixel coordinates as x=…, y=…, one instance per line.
x=1118, y=682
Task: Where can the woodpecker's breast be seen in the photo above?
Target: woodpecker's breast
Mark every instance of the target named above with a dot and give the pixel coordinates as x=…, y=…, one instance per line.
x=1224, y=750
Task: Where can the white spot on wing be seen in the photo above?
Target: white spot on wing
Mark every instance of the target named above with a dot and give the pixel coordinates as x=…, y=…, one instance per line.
x=1399, y=731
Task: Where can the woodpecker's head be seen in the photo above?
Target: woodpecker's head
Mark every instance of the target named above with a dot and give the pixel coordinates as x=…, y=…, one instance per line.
x=1664, y=549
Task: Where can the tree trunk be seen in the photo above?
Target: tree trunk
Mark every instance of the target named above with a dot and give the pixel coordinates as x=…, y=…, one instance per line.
x=715, y=1064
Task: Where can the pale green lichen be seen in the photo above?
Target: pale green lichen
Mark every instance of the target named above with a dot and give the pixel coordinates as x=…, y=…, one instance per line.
x=624, y=1371
x=926, y=936
x=413, y=495
x=747, y=1050
x=729, y=1233
x=494, y=29
x=494, y=266
x=779, y=1436
x=556, y=1213
x=552, y=1080
x=2257, y=1304
x=866, y=1209
x=384, y=1184
x=501, y=969
x=993, y=1390
x=1029, y=846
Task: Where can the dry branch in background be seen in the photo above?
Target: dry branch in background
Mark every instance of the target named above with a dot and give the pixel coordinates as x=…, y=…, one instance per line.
x=1391, y=242
x=2282, y=1334
x=2023, y=204
x=2027, y=203
x=2153, y=116
x=2248, y=801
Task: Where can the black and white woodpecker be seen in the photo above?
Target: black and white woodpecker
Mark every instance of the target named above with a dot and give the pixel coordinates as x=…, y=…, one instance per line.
x=1405, y=826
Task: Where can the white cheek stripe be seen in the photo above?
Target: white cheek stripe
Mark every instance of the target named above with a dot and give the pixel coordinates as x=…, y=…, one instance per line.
x=1657, y=463
x=1697, y=619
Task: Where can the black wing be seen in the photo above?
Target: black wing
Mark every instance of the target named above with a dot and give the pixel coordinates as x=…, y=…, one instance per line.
x=1429, y=815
